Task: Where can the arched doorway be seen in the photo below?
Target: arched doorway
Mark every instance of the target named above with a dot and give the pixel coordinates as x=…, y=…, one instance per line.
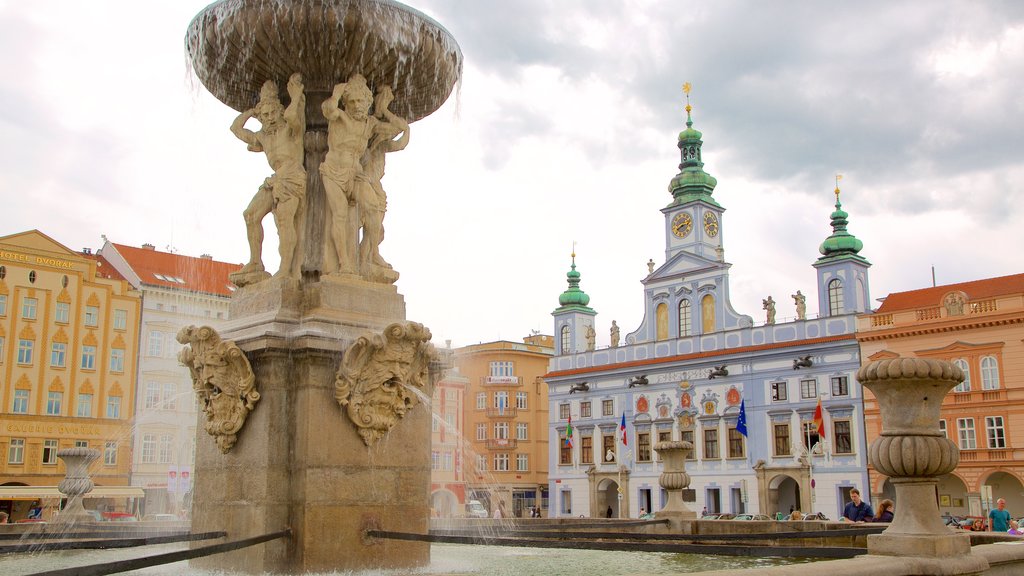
x=952, y=495
x=1008, y=487
x=607, y=497
x=784, y=494
x=444, y=504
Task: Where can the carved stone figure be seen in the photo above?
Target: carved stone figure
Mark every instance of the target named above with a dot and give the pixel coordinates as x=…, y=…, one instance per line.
x=222, y=379
x=954, y=303
x=650, y=266
x=802, y=362
x=284, y=192
x=769, y=306
x=614, y=334
x=579, y=387
x=801, y=305
x=591, y=335
x=718, y=371
x=640, y=380
x=382, y=375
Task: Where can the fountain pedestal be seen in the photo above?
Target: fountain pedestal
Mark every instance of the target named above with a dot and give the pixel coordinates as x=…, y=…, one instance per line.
x=674, y=479
x=76, y=483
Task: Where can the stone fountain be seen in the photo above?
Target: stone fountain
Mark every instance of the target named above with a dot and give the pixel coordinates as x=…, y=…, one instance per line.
x=76, y=483
x=310, y=396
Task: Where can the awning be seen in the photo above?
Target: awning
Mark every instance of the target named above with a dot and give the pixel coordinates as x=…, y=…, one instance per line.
x=41, y=492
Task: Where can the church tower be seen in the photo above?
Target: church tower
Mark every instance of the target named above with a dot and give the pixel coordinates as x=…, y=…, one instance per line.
x=573, y=318
x=842, y=271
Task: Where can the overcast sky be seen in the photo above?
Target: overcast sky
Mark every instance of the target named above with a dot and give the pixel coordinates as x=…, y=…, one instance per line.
x=563, y=130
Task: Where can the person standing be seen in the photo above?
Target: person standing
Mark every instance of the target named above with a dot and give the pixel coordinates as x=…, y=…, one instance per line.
x=886, y=510
x=857, y=510
x=999, y=519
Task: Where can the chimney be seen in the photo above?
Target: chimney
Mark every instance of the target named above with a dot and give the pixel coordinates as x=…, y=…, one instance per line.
x=148, y=246
x=206, y=257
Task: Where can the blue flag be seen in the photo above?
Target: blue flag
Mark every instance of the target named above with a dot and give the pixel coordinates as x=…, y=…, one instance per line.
x=741, y=422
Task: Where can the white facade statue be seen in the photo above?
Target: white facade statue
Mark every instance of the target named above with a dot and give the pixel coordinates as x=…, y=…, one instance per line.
x=801, y=305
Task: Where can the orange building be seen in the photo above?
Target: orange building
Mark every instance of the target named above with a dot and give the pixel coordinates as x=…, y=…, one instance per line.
x=69, y=335
x=447, y=469
x=506, y=423
x=979, y=326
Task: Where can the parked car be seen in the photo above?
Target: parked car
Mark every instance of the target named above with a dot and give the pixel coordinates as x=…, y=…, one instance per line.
x=160, y=518
x=816, y=516
x=119, y=517
x=751, y=517
x=474, y=509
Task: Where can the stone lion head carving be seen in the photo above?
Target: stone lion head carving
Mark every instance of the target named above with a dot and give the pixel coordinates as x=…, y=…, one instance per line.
x=382, y=376
x=222, y=379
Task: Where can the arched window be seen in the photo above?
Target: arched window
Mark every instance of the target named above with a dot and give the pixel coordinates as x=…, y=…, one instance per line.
x=964, y=386
x=707, y=312
x=565, y=339
x=989, y=373
x=835, y=297
x=684, y=318
x=661, y=321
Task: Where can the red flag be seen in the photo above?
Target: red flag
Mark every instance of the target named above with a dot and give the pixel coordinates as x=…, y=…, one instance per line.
x=819, y=421
x=622, y=427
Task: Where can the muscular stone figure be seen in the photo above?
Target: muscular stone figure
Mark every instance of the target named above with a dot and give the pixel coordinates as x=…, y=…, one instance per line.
x=284, y=192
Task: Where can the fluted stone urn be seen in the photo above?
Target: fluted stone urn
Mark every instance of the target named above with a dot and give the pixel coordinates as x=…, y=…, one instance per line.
x=76, y=483
x=674, y=478
x=913, y=452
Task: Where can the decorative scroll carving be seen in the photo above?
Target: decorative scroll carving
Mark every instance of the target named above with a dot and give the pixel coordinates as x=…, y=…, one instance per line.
x=383, y=376
x=222, y=379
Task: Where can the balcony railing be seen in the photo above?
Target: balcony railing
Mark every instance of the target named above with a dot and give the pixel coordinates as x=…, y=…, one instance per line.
x=502, y=443
x=501, y=381
x=983, y=306
x=881, y=320
x=928, y=313
x=506, y=412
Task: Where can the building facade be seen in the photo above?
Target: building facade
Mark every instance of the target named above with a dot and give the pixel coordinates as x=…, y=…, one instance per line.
x=447, y=469
x=177, y=291
x=69, y=332
x=506, y=423
x=694, y=364
x=979, y=326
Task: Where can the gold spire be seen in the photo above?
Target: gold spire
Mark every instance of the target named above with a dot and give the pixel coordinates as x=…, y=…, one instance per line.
x=573, y=251
x=686, y=90
x=838, y=178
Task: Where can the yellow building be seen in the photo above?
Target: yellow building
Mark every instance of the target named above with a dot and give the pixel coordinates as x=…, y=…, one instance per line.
x=69, y=333
x=506, y=423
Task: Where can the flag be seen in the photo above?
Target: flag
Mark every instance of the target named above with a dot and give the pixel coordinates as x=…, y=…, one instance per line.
x=568, y=433
x=819, y=421
x=622, y=427
x=741, y=422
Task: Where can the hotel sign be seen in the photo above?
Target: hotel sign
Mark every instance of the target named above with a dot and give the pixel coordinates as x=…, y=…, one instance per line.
x=37, y=260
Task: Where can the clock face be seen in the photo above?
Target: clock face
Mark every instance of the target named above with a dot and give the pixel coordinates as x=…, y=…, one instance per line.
x=710, y=224
x=682, y=224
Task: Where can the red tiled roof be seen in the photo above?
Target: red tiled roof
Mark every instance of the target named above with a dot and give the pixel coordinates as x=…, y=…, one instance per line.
x=104, y=269
x=179, y=272
x=975, y=290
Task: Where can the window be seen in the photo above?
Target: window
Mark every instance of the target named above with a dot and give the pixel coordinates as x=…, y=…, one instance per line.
x=481, y=463
x=782, y=444
x=711, y=443
x=643, y=446
x=88, y=357
x=687, y=436
x=58, y=354
x=521, y=400
x=989, y=373
x=521, y=431
x=116, y=360
x=964, y=386
x=840, y=386
x=120, y=319
x=447, y=460
x=170, y=398
x=778, y=391
x=996, y=433
x=607, y=408
x=114, y=407
x=965, y=428
x=166, y=440
x=3, y=304
x=28, y=308
x=1, y=349
x=156, y=343
x=587, y=450
x=434, y=424
x=92, y=316
x=81, y=443
x=684, y=318
x=148, y=449
x=501, y=462
x=481, y=431
x=835, y=297
x=843, y=436
x=16, y=451
x=564, y=452
x=809, y=388
x=20, y=402
x=435, y=460
x=810, y=436
x=565, y=340
x=110, y=453
x=499, y=369
x=25, y=351
x=563, y=411
x=84, y=409
x=53, y=402
x=608, y=447
x=522, y=462
x=152, y=395
x=481, y=400
x=584, y=409
x=501, y=430
x=736, y=445
x=942, y=428
x=49, y=452
x=501, y=400
x=62, y=313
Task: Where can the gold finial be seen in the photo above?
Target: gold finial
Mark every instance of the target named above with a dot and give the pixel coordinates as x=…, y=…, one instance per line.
x=838, y=178
x=686, y=90
x=574, y=250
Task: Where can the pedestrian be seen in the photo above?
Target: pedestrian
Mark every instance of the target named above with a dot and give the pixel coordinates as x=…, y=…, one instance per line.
x=608, y=513
x=999, y=519
x=886, y=509
x=642, y=512
x=3, y=517
x=857, y=510
x=704, y=512
x=1014, y=528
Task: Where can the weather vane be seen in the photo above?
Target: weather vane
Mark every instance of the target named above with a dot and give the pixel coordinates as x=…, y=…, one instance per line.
x=686, y=90
x=838, y=178
x=574, y=251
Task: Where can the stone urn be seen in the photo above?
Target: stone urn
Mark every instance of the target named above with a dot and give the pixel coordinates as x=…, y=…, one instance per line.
x=76, y=483
x=674, y=478
x=913, y=452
